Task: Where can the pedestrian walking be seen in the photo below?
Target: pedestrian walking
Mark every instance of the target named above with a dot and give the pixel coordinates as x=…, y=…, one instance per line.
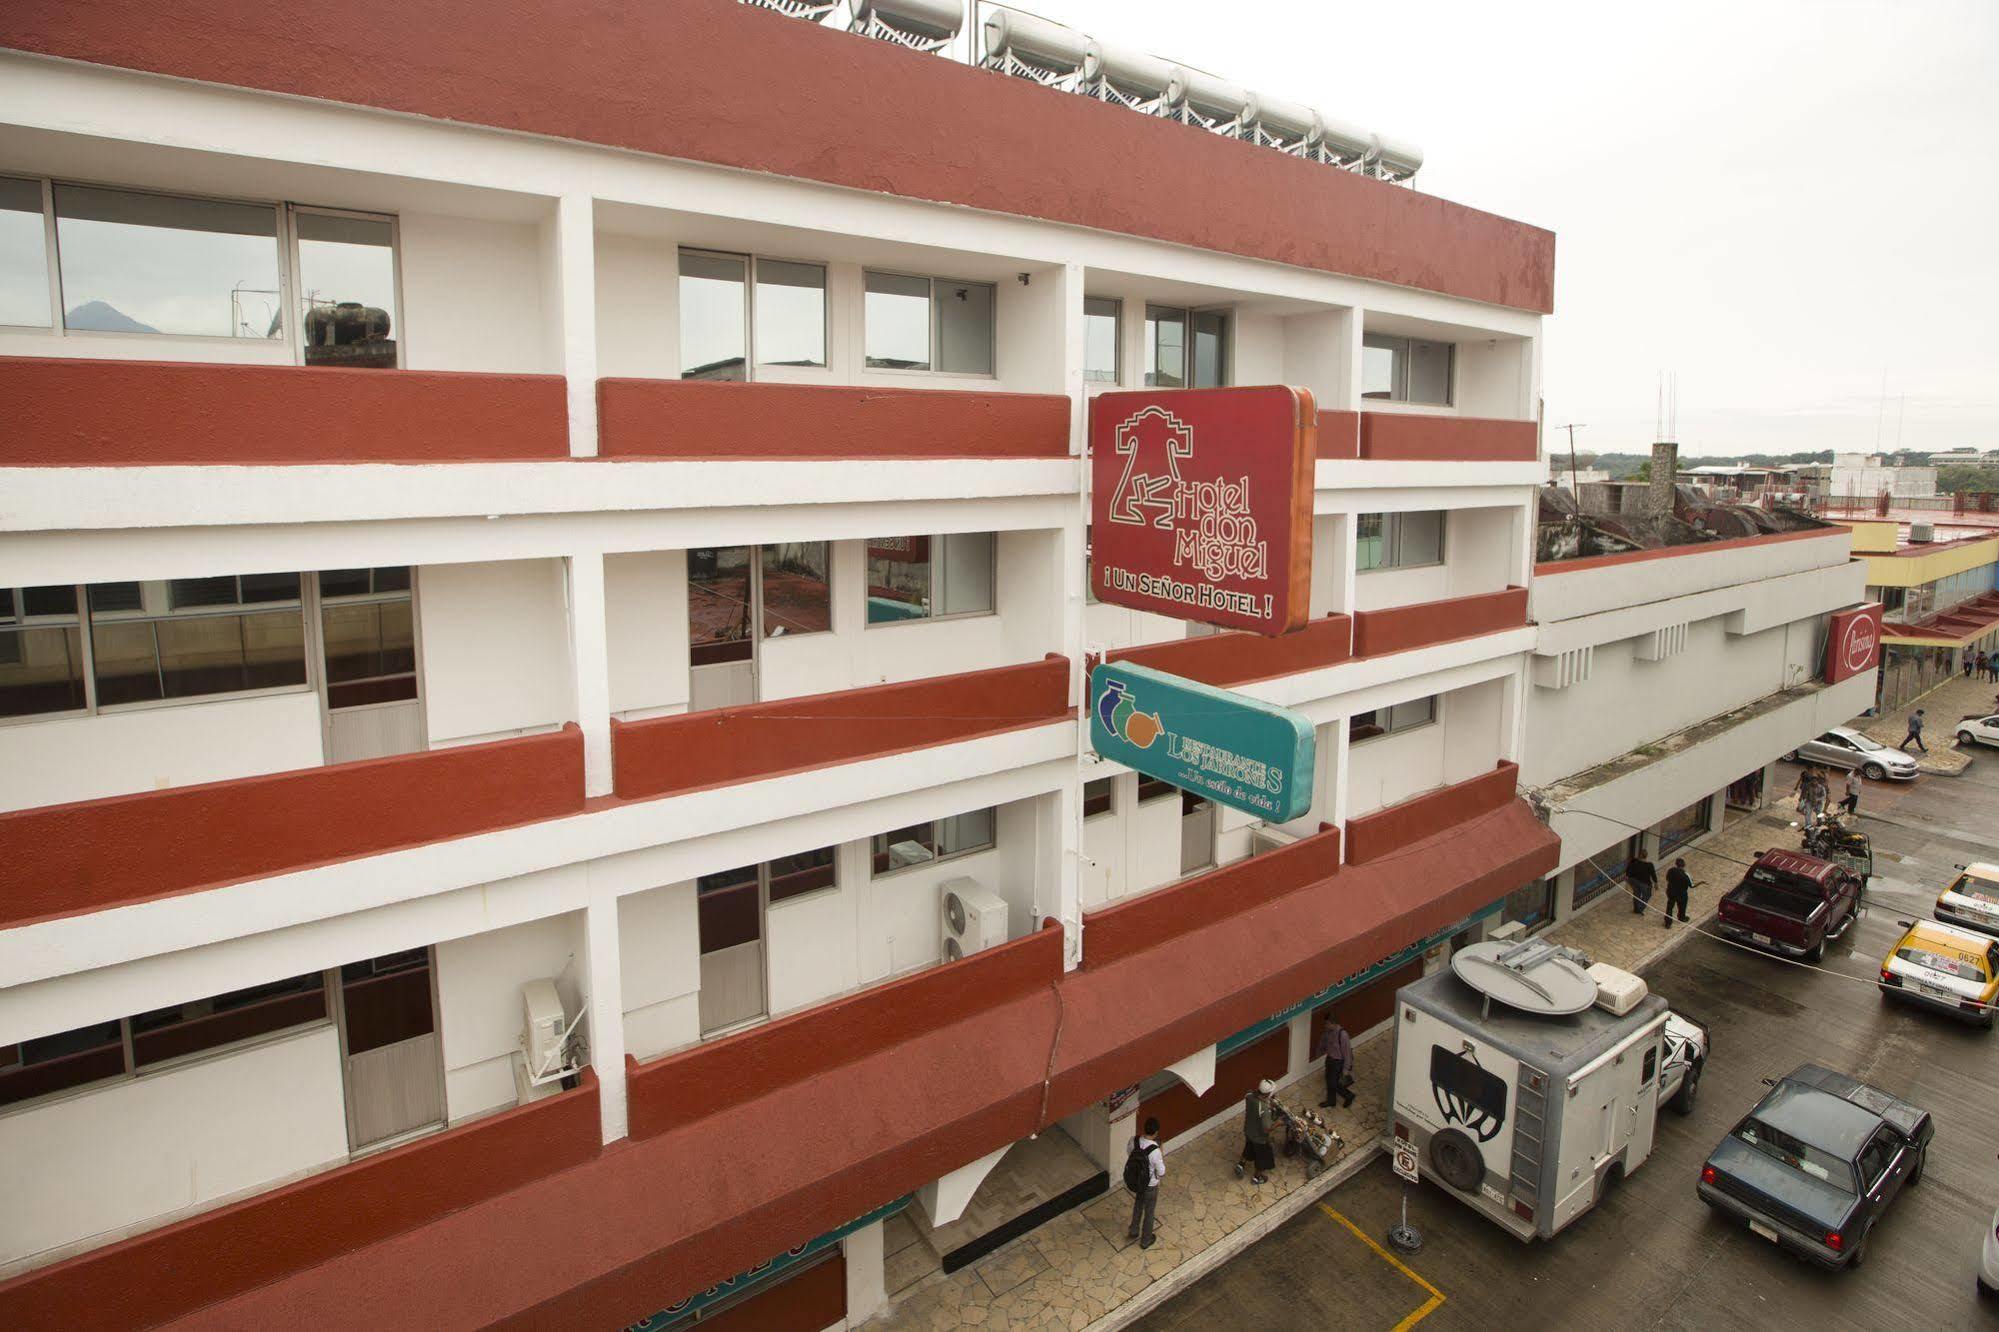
x=1984, y=663
x=1969, y=662
x=1643, y=876
x=1144, y=1167
x=1915, y=735
x=1851, y=801
x=1810, y=791
x=1992, y=666
x=1679, y=885
x=1256, y=1119
x=1337, y=1047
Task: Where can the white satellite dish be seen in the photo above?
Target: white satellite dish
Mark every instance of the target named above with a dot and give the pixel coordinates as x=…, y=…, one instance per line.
x=1535, y=976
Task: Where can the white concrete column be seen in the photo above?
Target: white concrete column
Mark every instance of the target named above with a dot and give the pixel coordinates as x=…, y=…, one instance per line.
x=1346, y=381
x=575, y=270
x=1513, y=714
x=867, y=1281
x=605, y=1000
x=590, y=667
x=1299, y=1045
x=1059, y=891
x=1340, y=770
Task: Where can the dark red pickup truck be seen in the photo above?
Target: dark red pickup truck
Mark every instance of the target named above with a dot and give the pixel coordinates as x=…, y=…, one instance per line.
x=1791, y=904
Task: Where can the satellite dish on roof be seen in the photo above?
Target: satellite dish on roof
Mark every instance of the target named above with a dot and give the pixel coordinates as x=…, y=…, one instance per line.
x=1535, y=976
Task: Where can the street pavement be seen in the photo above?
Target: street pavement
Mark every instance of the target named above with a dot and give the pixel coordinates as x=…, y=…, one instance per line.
x=1652, y=1256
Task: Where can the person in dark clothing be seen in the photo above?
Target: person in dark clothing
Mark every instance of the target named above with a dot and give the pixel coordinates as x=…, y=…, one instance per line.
x=1915, y=735
x=1643, y=877
x=1145, y=1201
x=1679, y=885
x=1337, y=1047
x=1970, y=662
x=1256, y=1121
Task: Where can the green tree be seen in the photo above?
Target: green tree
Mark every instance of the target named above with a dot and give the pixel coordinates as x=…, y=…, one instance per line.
x=1954, y=478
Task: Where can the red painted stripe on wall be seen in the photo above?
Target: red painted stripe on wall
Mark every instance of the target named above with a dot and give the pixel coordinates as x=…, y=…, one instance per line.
x=1412, y=437
x=89, y=413
x=1402, y=628
x=721, y=82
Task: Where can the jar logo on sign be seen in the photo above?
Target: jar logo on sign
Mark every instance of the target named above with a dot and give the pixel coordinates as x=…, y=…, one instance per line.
x=1859, y=647
x=1214, y=533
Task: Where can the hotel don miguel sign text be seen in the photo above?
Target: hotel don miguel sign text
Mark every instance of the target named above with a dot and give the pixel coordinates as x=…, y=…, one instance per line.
x=1853, y=643
x=1201, y=504
x=1237, y=751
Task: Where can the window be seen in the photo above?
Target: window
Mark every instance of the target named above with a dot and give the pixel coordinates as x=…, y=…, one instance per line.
x=1398, y=540
x=718, y=604
x=1151, y=788
x=24, y=254
x=1598, y=873
x=790, y=315
x=714, y=316
x=135, y=263
x=1874, y=1159
x=921, y=323
x=1099, y=797
x=368, y=623
x=347, y=289
x=926, y=577
x=1392, y=720
x=1399, y=369
x=1685, y=825
x=1167, y=354
x=158, y=263
x=940, y=839
x=192, y=637
x=1103, y=322
x=1531, y=904
x=796, y=876
x=120, y=1048
x=41, y=652
x=796, y=582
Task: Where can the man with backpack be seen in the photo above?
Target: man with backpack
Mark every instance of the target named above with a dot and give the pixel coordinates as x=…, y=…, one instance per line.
x=1144, y=1167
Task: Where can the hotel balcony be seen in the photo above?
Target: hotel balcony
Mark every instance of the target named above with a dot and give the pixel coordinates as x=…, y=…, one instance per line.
x=1413, y=437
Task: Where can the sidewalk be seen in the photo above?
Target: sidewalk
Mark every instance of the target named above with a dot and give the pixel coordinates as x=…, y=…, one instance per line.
x=1080, y=1272
x=1954, y=698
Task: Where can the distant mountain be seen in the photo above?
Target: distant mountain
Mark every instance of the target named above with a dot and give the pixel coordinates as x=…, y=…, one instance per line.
x=97, y=317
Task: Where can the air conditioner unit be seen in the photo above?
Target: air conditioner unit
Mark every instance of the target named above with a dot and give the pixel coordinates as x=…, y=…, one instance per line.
x=974, y=918
x=545, y=1029
x=1922, y=533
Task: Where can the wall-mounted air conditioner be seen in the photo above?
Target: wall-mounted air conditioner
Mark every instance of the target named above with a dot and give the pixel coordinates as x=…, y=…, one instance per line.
x=974, y=918
x=547, y=1052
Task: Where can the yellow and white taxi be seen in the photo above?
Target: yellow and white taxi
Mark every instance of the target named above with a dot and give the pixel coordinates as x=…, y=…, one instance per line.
x=1972, y=900
x=1943, y=967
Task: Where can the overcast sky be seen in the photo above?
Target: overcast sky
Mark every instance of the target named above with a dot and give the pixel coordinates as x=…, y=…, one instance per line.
x=1785, y=201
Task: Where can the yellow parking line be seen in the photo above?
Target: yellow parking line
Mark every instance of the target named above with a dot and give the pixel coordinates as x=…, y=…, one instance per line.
x=1430, y=1305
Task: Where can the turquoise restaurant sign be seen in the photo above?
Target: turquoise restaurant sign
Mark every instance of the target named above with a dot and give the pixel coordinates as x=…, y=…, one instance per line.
x=1236, y=751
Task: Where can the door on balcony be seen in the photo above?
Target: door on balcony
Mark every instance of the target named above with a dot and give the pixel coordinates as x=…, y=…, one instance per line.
x=1197, y=833
x=366, y=624
x=730, y=909
x=739, y=600
x=389, y=1048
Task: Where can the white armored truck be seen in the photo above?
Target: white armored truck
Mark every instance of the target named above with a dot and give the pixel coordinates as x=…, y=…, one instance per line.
x=1528, y=1081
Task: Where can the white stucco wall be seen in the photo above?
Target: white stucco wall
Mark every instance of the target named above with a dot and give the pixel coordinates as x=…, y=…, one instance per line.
x=495, y=649
x=480, y=1017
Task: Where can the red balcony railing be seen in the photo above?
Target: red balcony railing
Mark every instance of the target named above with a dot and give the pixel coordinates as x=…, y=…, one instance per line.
x=697, y=750
x=1400, y=628
x=94, y=854
x=1339, y=435
x=1237, y=658
x=89, y=413
x=1127, y=928
x=164, y=1274
x=1408, y=437
x=1385, y=831
x=693, y=418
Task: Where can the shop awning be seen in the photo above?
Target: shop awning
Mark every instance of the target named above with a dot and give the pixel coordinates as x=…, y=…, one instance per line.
x=1964, y=623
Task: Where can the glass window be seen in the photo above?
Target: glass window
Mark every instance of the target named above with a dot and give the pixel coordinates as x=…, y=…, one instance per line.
x=896, y=316
x=1531, y=905
x=1398, y=540
x=1399, y=369
x=154, y=263
x=1099, y=796
x=347, y=290
x=192, y=644
x=795, y=876
x=1151, y=788
x=726, y=908
x=1388, y=721
x=387, y=1000
x=1211, y=338
x=718, y=604
x=41, y=652
x=964, y=327
x=925, y=577
x=797, y=588
x=1102, y=320
x=24, y=254
x=60, y=1062
x=1165, y=347
x=790, y=313
x=714, y=316
x=941, y=839
x=184, y=1029
x=368, y=623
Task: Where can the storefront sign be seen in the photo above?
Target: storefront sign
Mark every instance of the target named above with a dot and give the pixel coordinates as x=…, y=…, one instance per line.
x=1853, y=643
x=1201, y=504
x=1236, y=751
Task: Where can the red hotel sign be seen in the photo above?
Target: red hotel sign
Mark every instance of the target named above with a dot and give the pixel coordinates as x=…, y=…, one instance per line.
x=1201, y=504
x=1853, y=644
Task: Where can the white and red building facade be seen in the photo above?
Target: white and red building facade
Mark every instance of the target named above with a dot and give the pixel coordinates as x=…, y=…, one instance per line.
x=505, y=499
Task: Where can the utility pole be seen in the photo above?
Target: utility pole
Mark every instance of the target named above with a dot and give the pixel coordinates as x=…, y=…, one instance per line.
x=1574, y=489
